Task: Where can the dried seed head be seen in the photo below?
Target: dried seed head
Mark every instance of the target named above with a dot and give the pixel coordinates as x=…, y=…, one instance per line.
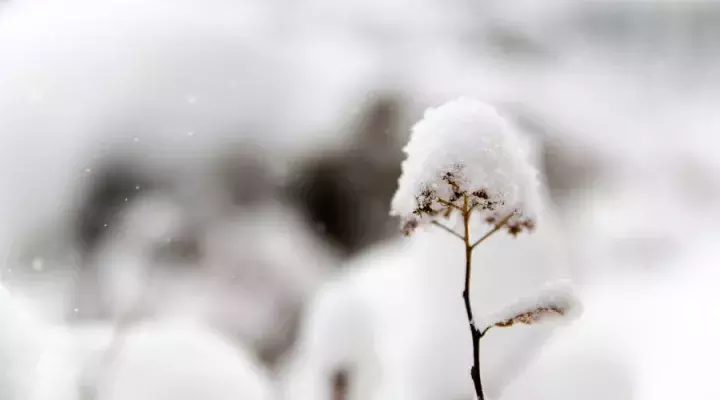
x=531, y=317
x=464, y=149
x=557, y=300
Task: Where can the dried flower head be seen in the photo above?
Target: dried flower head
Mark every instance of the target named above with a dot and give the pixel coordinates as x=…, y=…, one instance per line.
x=532, y=316
x=461, y=149
x=550, y=302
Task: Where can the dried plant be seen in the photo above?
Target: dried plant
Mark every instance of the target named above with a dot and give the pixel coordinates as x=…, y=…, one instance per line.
x=530, y=317
x=473, y=203
x=464, y=159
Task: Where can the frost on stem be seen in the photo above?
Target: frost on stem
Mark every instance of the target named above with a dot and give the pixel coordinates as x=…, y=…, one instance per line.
x=465, y=148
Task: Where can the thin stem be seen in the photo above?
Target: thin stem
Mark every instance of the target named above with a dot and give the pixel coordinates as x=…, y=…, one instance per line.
x=484, y=331
x=476, y=334
x=496, y=228
x=440, y=225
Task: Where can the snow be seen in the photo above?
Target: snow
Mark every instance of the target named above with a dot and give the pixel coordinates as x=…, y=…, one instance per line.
x=646, y=338
x=103, y=84
x=62, y=368
x=556, y=301
x=73, y=71
x=590, y=358
x=395, y=320
x=41, y=361
x=258, y=268
x=176, y=360
x=165, y=359
x=466, y=143
x=19, y=347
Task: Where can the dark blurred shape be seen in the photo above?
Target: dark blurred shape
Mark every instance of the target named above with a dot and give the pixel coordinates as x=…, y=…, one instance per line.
x=181, y=250
x=116, y=185
x=340, y=385
x=347, y=195
x=247, y=175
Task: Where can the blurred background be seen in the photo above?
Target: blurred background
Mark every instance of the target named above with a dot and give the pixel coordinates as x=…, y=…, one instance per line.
x=195, y=198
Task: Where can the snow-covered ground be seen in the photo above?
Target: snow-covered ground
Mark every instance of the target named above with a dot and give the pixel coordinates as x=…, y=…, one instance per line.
x=165, y=359
x=644, y=336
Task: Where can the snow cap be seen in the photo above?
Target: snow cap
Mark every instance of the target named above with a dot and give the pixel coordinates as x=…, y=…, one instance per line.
x=465, y=148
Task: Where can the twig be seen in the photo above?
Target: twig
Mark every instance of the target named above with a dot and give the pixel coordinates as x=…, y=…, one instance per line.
x=439, y=225
x=497, y=227
x=448, y=204
x=476, y=334
x=484, y=331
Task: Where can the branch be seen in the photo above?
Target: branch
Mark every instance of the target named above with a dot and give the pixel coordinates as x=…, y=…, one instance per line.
x=439, y=225
x=484, y=331
x=448, y=204
x=474, y=332
x=497, y=227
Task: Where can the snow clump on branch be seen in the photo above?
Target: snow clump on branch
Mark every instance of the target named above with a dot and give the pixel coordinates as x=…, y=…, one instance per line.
x=465, y=149
x=553, y=302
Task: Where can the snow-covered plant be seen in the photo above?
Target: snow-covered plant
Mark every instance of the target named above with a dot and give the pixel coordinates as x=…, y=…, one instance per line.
x=464, y=160
x=554, y=301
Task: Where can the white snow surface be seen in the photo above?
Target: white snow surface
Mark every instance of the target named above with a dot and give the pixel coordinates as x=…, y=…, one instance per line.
x=41, y=361
x=480, y=148
x=557, y=294
x=177, y=360
x=642, y=337
x=19, y=348
x=397, y=324
x=163, y=359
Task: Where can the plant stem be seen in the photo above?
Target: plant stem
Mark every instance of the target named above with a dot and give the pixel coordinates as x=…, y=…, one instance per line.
x=449, y=204
x=476, y=334
x=497, y=227
x=446, y=229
